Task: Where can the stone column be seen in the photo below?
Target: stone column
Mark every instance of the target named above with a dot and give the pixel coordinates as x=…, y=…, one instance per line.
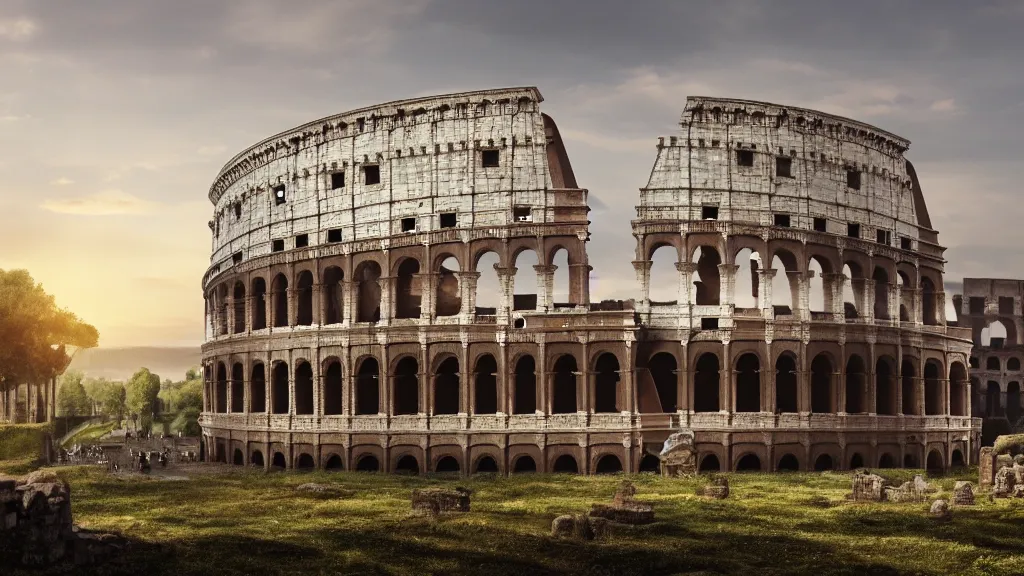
x=231, y=313
x=268, y=310
x=895, y=296
x=542, y=379
x=643, y=277
x=387, y=299
x=465, y=377
x=940, y=307
x=916, y=315
x=801, y=294
x=293, y=308
x=247, y=303
x=545, y=287
x=868, y=296
x=685, y=270
x=726, y=382
x=579, y=283
x=506, y=280
x=726, y=288
x=319, y=310
x=426, y=380
x=467, y=294
x=428, y=282
x=765, y=277
x=838, y=284
x=348, y=310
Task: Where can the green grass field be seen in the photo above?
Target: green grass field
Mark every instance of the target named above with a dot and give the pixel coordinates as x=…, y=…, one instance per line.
x=244, y=522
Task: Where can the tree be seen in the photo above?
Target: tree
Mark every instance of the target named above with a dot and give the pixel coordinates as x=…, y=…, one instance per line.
x=36, y=333
x=71, y=397
x=185, y=401
x=107, y=398
x=142, y=392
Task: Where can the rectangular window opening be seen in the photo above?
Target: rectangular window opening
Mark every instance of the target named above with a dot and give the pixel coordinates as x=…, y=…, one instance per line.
x=709, y=212
x=906, y=243
x=784, y=167
x=782, y=220
x=277, y=246
x=278, y=194
x=853, y=230
x=709, y=323
x=489, y=158
x=820, y=225
x=522, y=214
x=302, y=240
x=449, y=220
x=853, y=179
x=236, y=258
x=337, y=180
x=976, y=305
x=1006, y=305
x=883, y=237
x=408, y=224
x=371, y=174
x=334, y=235
x=745, y=157
x=238, y=210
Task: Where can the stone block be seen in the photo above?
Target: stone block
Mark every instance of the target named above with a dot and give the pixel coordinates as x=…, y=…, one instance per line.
x=963, y=494
x=441, y=500
x=940, y=510
x=868, y=487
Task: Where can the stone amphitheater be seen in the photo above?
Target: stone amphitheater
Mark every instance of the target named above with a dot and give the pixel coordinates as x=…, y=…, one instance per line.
x=804, y=326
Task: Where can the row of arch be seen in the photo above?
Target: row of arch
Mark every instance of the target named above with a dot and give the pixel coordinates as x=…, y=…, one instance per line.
x=995, y=364
x=887, y=390
x=785, y=275
x=992, y=402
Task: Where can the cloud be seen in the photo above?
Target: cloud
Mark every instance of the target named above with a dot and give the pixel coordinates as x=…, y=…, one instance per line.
x=106, y=203
x=17, y=29
x=62, y=181
x=947, y=105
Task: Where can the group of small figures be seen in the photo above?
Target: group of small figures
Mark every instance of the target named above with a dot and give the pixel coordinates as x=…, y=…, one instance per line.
x=143, y=461
x=79, y=454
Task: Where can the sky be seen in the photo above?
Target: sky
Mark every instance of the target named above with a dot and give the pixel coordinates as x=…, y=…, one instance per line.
x=115, y=116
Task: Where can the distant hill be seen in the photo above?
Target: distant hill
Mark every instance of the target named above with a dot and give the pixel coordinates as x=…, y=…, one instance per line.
x=121, y=363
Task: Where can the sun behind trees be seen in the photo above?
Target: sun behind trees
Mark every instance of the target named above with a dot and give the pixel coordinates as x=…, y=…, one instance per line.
x=35, y=335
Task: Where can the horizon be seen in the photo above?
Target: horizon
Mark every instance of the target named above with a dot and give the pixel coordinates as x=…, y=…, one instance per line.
x=113, y=129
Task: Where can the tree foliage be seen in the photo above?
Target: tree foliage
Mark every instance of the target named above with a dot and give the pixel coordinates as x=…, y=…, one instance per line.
x=72, y=399
x=142, y=390
x=185, y=400
x=34, y=331
x=107, y=398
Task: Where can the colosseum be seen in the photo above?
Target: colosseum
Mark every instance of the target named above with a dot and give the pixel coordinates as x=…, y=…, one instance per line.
x=803, y=326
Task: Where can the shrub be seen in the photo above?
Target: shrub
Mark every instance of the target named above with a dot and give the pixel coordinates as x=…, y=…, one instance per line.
x=1011, y=444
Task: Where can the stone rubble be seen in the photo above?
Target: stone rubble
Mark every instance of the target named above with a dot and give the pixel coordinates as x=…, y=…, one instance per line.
x=435, y=501
x=940, y=510
x=717, y=489
x=868, y=487
x=916, y=490
x=963, y=494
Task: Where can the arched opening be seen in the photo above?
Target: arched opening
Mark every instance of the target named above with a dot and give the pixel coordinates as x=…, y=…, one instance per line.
x=856, y=391
x=933, y=401
x=783, y=286
x=526, y=386
x=565, y=464
x=486, y=464
x=662, y=367
x=280, y=297
x=957, y=459
x=928, y=304
x=709, y=281
x=958, y=389
x=560, y=293
x=748, y=384
x=788, y=463
x=278, y=461
x=486, y=386
x=239, y=300
x=663, y=282
x=237, y=387
x=222, y=309
x=994, y=335
x=334, y=463
x=407, y=289
x=449, y=298
x=856, y=461
x=992, y=393
x=368, y=463
x=785, y=384
x=934, y=462
x=1013, y=365
x=1013, y=402
x=709, y=463
x=258, y=389
x=333, y=295
x=748, y=463
x=332, y=389
x=367, y=278
x=992, y=363
x=822, y=398
x=304, y=389
x=911, y=402
x=816, y=299
x=885, y=391
x=705, y=389
x=608, y=464
x=564, y=392
x=368, y=387
x=259, y=304
x=239, y=458
x=446, y=387
x=909, y=461
x=747, y=281
x=852, y=283
x=407, y=387
x=606, y=383
x=221, y=404
x=305, y=462
x=407, y=465
x=304, y=298
x=524, y=285
x=886, y=461
x=822, y=463
x=447, y=464
x=256, y=459
x=488, y=288
x=524, y=464
x=650, y=463
x=279, y=391
x=881, y=278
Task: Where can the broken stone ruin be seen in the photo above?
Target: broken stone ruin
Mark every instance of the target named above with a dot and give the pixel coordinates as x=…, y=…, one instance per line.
x=604, y=519
x=916, y=490
x=434, y=501
x=717, y=489
x=678, y=455
x=868, y=487
x=963, y=494
x=940, y=510
x=36, y=528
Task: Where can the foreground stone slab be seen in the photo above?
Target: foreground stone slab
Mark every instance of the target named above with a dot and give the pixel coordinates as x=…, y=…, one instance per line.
x=441, y=500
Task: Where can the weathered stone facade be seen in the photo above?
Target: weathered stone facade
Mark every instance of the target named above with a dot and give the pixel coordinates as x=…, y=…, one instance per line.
x=343, y=329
